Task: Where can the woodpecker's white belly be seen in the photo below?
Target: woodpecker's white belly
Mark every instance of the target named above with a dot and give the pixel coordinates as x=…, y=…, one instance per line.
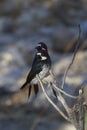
x=42, y=74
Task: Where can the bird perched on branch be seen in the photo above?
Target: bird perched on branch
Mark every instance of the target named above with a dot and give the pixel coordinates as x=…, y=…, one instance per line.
x=41, y=66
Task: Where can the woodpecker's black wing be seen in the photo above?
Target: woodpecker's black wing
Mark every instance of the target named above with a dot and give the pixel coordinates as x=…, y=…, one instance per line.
x=36, y=69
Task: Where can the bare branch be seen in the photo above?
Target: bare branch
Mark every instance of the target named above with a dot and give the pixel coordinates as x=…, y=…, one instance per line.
x=85, y=105
x=58, y=89
x=52, y=103
x=74, y=55
x=81, y=110
x=52, y=74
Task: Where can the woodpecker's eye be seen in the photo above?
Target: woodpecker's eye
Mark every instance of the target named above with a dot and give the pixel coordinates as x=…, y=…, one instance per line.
x=38, y=48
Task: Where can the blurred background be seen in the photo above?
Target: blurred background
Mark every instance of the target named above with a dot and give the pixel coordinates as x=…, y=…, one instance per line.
x=24, y=23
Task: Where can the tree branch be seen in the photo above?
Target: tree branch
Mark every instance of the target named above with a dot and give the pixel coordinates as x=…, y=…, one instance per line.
x=81, y=110
x=74, y=55
x=52, y=103
x=68, y=95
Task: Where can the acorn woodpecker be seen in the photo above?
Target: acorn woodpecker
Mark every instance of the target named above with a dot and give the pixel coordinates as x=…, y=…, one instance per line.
x=41, y=66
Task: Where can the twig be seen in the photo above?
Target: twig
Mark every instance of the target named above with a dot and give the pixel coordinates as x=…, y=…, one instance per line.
x=53, y=76
x=74, y=55
x=52, y=103
x=58, y=89
x=81, y=110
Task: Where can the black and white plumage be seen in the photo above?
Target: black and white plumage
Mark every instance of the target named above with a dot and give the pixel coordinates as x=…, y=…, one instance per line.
x=41, y=66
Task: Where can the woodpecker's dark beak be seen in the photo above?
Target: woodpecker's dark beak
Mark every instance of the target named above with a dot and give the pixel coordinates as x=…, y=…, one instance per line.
x=38, y=48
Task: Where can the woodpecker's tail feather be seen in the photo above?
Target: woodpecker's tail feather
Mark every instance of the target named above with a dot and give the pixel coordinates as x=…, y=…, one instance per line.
x=24, y=85
x=35, y=88
x=29, y=91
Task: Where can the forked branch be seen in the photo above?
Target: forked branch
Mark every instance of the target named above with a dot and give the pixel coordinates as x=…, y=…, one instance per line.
x=63, y=92
x=52, y=103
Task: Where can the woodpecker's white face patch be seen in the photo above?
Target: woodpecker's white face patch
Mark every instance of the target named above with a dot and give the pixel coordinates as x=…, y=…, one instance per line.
x=39, y=54
x=43, y=57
